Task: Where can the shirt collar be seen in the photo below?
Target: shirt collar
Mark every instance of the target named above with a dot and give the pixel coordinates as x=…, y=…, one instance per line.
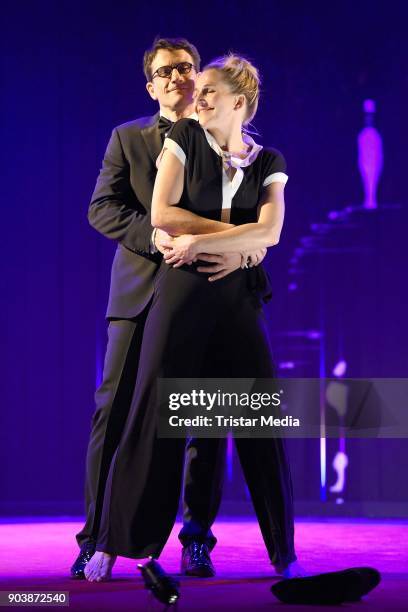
x=231, y=160
x=192, y=116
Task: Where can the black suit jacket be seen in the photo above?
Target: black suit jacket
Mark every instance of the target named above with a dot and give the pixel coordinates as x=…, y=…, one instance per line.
x=120, y=210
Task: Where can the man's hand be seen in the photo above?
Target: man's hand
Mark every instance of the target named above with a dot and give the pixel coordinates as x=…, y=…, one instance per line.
x=254, y=258
x=159, y=237
x=221, y=265
x=162, y=240
x=181, y=250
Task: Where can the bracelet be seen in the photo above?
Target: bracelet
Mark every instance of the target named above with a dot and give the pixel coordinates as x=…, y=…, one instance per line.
x=244, y=261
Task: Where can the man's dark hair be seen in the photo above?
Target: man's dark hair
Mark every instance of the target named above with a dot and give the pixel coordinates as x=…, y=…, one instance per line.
x=170, y=44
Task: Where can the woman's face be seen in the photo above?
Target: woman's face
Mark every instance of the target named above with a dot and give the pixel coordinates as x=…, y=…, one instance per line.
x=214, y=102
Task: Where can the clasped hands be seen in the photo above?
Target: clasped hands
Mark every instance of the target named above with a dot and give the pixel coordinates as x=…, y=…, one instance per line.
x=181, y=250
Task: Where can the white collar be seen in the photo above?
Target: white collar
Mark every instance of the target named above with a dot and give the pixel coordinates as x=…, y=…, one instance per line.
x=231, y=160
x=192, y=116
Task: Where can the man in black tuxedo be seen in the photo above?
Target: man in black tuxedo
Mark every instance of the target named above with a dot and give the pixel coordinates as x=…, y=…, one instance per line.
x=120, y=210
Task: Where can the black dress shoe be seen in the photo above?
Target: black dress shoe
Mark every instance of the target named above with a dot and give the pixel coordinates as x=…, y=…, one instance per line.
x=195, y=561
x=331, y=588
x=86, y=553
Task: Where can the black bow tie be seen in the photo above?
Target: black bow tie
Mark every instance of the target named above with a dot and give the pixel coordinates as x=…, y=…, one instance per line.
x=164, y=125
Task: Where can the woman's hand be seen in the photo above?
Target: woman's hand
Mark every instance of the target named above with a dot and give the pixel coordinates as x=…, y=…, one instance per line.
x=181, y=250
x=220, y=265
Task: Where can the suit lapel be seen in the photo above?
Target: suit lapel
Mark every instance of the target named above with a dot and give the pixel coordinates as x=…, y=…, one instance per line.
x=152, y=138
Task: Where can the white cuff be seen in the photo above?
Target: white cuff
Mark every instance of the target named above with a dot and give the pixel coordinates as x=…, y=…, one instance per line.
x=153, y=248
x=175, y=148
x=276, y=177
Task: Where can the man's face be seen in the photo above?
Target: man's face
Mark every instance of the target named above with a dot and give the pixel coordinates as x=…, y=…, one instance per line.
x=176, y=91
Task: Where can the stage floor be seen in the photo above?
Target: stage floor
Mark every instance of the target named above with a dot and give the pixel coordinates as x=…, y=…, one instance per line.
x=37, y=556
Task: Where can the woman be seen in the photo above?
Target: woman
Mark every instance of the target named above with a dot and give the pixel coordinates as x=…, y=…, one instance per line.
x=213, y=170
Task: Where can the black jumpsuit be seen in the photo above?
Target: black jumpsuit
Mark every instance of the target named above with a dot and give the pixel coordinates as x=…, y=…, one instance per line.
x=191, y=319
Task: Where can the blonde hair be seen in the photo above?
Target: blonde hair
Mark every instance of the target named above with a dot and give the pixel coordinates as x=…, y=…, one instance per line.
x=242, y=77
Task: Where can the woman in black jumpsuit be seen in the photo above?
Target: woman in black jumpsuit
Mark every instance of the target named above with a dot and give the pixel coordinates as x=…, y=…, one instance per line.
x=191, y=318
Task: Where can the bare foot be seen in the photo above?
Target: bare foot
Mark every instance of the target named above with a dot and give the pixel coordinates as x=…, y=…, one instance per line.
x=99, y=567
x=293, y=570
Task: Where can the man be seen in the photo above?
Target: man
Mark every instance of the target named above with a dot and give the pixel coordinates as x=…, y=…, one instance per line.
x=120, y=210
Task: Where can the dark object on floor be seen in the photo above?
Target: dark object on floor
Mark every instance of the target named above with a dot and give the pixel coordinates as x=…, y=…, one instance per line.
x=163, y=587
x=196, y=561
x=330, y=588
x=86, y=553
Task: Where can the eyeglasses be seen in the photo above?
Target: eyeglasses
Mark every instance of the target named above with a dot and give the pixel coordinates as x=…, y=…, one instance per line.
x=166, y=71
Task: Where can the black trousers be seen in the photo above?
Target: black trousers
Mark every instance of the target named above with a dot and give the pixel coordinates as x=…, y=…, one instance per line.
x=189, y=321
x=203, y=469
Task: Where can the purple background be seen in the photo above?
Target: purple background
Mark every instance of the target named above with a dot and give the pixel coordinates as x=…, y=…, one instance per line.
x=72, y=71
